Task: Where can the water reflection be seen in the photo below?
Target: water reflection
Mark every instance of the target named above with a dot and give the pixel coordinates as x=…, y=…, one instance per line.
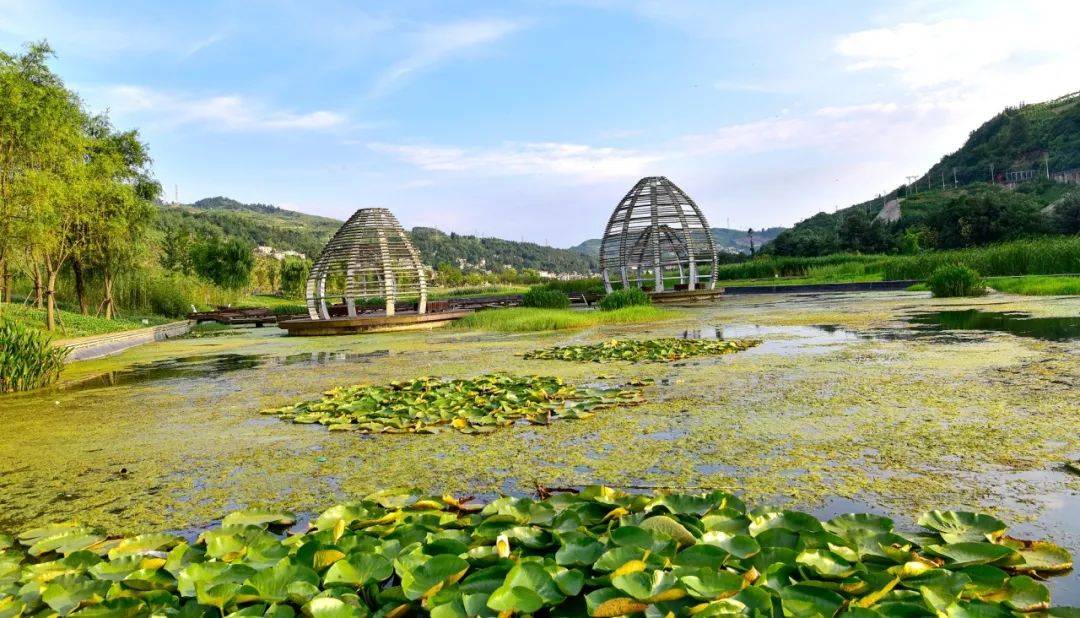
x=1013, y=322
x=210, y=365
x=779, y=339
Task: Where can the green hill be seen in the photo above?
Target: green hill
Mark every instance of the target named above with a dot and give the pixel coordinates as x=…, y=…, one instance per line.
x=1021, y=145
x=727, y=240
x=263, y=224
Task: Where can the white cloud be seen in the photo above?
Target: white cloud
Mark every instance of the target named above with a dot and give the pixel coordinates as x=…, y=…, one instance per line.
x=524, y=159
x=995, y=41
x=436, y=43
x=202, y=44
x=224, y=113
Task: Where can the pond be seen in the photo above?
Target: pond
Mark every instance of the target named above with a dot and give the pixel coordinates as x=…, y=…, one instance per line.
x=827, y=414
x=1013, y=322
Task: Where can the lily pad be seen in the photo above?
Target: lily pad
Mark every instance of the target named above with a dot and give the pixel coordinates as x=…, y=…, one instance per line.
x=961, y=526
x=472, y=406
x=655, y=350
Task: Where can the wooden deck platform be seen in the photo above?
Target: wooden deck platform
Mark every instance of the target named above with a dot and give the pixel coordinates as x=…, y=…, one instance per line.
x=369, y=323
x=685, y=296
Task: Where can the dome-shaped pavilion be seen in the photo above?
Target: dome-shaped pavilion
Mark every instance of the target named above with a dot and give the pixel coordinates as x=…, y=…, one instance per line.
x=657, y=234
x=370, y=257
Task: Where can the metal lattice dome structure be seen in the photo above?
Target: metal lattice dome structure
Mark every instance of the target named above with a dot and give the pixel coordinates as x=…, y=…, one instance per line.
x=658, y=233
x=369, y=258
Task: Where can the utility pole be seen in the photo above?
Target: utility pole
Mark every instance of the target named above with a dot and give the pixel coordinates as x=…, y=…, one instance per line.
x=954, y=183
x=908, y=189
x=1046, y=160
x=943, y=179
x=176, y=194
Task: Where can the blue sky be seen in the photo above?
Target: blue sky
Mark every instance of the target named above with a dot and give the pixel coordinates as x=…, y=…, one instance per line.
x=530, y=119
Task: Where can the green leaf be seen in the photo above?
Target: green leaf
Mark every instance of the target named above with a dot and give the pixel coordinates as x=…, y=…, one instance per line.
x=67, y=593
x=710, y=584
x=804, y=600
x=283, y=582
x=327, y=607
x=967, y=554
x=825, y=563
x=515, y=599
x=359, y=570
x=259, y=517
x=419, y=581
x=1026, y=595
x=963, y=527
x=739, y=545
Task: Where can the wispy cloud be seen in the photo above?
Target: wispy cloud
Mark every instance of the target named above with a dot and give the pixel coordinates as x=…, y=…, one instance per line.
x=996, y=42
x=520, y=159
x=202, y=44
x=436, y=43
x=222, y=113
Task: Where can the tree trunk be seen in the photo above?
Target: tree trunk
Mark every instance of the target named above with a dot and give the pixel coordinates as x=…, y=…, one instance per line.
x=50, y=294
x=108, y=296
x=5, y=283
x=80, y=289
x=36, y=274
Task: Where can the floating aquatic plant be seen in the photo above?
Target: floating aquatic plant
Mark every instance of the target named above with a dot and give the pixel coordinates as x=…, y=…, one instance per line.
x=668, y=349
x=597, y=553
x=477, y=405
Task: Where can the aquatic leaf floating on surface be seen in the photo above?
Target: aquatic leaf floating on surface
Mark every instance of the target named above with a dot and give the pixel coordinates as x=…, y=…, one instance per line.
x=599, y=553
x=472, y=406
x=636, y=350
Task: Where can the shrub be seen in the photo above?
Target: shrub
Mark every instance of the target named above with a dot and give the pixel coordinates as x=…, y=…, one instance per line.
x=956, y=280
x=591, y=285
x=27, y=359
x=545, y=299
x=625, y=298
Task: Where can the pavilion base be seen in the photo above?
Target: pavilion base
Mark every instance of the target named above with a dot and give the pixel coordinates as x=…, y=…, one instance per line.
x=685, y=296
x=369, y=324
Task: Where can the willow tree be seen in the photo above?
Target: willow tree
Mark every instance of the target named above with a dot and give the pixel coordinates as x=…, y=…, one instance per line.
x=33, y=106
x=43, y=153
x=119, y=203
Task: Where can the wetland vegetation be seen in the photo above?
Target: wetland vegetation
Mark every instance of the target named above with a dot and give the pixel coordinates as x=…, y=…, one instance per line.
x=597, y=552
x=471, y=406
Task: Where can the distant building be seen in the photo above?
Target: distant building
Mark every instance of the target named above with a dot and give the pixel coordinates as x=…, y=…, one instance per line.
x=278, y=254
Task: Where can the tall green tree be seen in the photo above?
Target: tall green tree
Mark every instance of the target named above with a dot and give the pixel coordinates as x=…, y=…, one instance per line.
x=120, y=203
x=227, y=263
x=294, y=274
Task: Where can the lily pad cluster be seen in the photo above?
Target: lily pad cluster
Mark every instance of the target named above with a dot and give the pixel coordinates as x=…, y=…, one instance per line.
x=472, y=406
x=599, y=553
x=661, y=350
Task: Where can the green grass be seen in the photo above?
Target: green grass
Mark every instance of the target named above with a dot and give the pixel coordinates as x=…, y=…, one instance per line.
x=476, y=290
x=1037, y=285
x=808, y=280
x=73, y=324
x=270, y=301
x=525, y=319
x=1049, y=255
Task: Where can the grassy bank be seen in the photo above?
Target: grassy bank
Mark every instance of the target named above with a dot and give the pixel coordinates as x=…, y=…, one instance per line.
x=524, y=319
x=1037, y=285
x=1038, y=256
x=74, y=324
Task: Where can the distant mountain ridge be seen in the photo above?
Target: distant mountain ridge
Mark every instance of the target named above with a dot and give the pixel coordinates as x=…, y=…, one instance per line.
x=1019, y=147
x=265, y=224
x=729, y=240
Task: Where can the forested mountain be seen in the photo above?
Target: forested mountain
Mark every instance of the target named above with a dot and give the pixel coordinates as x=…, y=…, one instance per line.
x=954, y=203
x=727, y=240
x=263, y=224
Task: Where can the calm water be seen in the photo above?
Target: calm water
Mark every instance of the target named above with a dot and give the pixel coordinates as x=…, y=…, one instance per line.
x=211, y=365
x=1015, y=323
